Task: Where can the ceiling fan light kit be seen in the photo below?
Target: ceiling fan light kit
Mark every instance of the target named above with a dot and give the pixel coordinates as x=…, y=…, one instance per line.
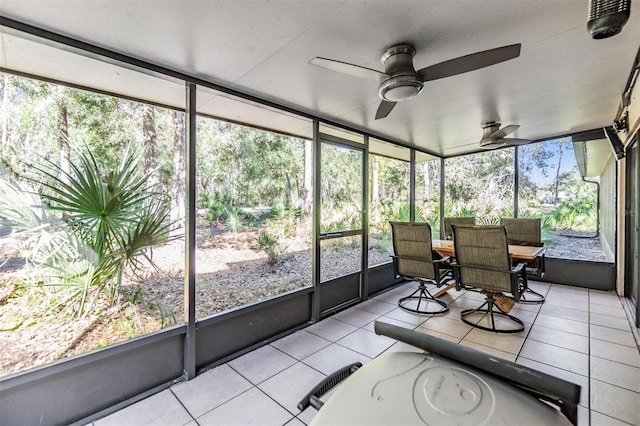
x=401, y=82
x=399, y=88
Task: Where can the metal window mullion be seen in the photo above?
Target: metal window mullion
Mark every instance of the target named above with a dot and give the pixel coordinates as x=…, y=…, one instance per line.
x=315, y=229
x=364, y=288
x=516, y=182
x=412, y=185
x=189, y=367
x=442, y=174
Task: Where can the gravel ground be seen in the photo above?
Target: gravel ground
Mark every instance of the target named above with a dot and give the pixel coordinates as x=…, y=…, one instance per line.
x=579, y=246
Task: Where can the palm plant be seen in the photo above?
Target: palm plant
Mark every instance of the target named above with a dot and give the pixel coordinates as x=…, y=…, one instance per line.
x=269, y=243
x=116, y=219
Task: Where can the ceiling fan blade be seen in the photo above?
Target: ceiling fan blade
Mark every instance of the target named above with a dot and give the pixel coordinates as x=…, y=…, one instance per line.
x=492, y=145
x=516, y=142
x=506, y=130
x=470, y=62
x=346, y=68
x=384, y=109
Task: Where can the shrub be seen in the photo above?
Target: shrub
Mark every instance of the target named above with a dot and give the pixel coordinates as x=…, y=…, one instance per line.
x=234, y=221
x=106, y=226
x=270, y=244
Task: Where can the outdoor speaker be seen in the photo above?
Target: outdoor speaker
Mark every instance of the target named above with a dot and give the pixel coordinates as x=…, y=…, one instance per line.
x=614, y=140
x=607, y=17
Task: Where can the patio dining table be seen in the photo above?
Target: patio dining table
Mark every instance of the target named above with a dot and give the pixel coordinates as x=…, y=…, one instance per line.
x=446, y=248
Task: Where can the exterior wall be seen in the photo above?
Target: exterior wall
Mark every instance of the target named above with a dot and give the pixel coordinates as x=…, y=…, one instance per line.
x=608, y=209
x=626, y=137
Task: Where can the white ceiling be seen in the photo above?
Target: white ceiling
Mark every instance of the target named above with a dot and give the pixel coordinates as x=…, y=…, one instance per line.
x=563, y=81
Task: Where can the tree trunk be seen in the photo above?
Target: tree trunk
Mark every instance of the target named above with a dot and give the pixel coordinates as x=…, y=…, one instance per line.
x=5, y=115
x=290, y=193
x=375, y=189
x=308, y=177
x=426, y=185
x=150, y=144
x=557, y=183
x=63, y=128
x=178, y=176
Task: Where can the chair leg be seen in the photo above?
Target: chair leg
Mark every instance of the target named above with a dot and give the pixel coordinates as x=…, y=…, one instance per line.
x=489, y=303
x=422, y=296
x=534, y=296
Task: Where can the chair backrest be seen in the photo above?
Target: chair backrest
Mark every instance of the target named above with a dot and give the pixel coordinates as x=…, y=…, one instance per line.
x=525, y=231
x=412, y=246
x=487, y=247
x=448, y=221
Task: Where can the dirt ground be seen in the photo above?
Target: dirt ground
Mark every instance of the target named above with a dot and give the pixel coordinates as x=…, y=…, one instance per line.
x=230, y=273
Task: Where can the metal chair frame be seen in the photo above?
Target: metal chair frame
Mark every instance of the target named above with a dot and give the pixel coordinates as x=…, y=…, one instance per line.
x=458, y=221
x=518, y=275
x=421, y=295
x=516, y=285
x=530, y=236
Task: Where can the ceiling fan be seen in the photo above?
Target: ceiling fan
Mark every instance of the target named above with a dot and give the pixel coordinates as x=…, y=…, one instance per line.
x=494, y=137
x=400, y=81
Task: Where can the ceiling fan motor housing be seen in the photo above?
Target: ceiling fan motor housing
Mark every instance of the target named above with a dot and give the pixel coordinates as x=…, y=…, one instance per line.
x=488, y=129
x=403, y=82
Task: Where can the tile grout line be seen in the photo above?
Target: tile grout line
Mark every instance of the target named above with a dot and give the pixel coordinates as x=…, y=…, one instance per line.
x=183, y=406
x=257, y=387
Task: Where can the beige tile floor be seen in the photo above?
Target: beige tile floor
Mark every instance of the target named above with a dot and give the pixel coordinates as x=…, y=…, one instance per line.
x=579, y=335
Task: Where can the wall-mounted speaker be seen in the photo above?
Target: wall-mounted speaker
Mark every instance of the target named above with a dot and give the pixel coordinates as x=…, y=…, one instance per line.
x=607, y=17
x=614, y=140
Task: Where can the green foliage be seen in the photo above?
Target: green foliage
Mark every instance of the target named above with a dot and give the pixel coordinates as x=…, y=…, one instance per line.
x=270, y=244
x=336, y=219
x=467, y=211
x=340, y=221
x=20, y=206
x=221, y=210
x=141, y=299
x=486, y=220
x=383, y=243
x=480, y=184
x=251, y=167
x=563, y=201
x=234, y=221
x=217, y=206
x=575, y=215
x=106, y=225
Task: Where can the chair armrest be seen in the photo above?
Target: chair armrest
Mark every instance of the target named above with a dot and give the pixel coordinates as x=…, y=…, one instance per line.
x=445, y=259
x=517, y=274
x=418, y=259
x=482, y=268
x=526, y=243
x=518, y=280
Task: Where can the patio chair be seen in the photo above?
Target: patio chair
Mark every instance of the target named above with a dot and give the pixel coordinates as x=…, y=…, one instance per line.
x=483, y=263
x=448, y=221
x=413, y=260
x=527, y=232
